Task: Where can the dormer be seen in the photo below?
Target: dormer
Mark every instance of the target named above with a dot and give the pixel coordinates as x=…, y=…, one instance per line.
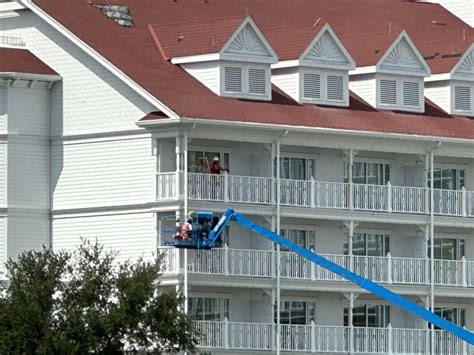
x=397, y=81
x=320, y=75
x=241, y=68
x=454, y=92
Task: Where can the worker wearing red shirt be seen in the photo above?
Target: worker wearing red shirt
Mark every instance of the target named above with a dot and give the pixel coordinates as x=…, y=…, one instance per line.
x=216, y=167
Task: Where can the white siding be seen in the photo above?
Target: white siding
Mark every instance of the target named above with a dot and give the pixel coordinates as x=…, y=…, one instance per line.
x=364, y=86
x=3, y=174
x=3, y=244
x=90, y=98
x=207, y=73
x=287, y=80
x=29, y=111
x=3, y=110
x=27, y=231
x=99, y=174
x=440, y=93
x=132, y=234
x=28, y=173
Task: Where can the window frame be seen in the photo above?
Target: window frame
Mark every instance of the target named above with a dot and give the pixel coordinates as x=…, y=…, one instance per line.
x=458, y=185
x=207, y=149
x=224, y=307
x=306, y=301
x=386, y=316
x=400, y=79
x=290, y=156
x=386, y=242
x=308, y=236
x=345, y=170
x=323, y=74
x=460, y=250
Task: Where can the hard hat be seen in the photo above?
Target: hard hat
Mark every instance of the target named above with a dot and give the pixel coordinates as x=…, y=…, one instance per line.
x=190, y=213
x=215, y=159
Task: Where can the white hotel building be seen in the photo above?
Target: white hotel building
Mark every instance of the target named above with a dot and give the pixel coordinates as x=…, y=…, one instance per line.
x=348, y=126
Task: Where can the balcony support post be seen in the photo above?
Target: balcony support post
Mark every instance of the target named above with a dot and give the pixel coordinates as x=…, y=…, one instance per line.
x=351, y=297
x=464, y=271
x=390, y=340
x=464, y=201
x=351, y=183
x=226, y=260
x=313, y=337
x=389, y=268
x=226, y=333
x=226, y=187
x=350, y=225
x=389, y=196
x=427, y=183
x=273, y=174
x=312, y=192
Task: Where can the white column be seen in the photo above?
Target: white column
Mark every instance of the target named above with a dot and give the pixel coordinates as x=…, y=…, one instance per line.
x=351, y=184
x=178, y=165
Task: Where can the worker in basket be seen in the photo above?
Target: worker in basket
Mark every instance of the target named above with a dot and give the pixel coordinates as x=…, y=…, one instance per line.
x=186, y=230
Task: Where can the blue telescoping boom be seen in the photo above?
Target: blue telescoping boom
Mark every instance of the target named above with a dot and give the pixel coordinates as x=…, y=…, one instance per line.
x=231, y=215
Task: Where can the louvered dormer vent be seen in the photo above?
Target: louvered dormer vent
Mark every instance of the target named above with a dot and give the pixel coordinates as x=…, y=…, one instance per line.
x=464, y=98
x=324, y=87
x=246, y=81
x=399, y=93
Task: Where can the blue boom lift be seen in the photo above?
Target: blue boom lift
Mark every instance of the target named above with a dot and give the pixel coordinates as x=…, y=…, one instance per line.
x=200, y=238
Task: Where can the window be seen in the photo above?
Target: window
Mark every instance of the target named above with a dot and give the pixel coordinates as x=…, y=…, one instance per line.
x=373, y=316
x=447, y=248
x=198, y=161
x=302, y=238
x=452, y=314
x=322, y=87
x=463, y=98
x=367, y=173
x=296, y=312
x=368, y=244
x=400, y=93
x=244, y=80
x=296, y=168
x=447, y=179
x=210, y=309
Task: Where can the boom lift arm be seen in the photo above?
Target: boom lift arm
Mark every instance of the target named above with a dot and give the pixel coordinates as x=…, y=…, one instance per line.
x=231, y=215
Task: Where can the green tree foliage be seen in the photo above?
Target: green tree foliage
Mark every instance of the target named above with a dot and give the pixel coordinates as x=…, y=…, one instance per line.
x=85, y=302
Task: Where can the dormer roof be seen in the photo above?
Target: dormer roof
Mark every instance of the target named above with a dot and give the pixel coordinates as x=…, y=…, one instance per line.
x=402, y=57
x=464, y=69
x=327, y=51
x=237, y=39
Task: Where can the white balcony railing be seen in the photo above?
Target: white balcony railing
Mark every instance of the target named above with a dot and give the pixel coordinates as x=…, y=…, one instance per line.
x=263, y=264
x=316, y=194
x=317, y=338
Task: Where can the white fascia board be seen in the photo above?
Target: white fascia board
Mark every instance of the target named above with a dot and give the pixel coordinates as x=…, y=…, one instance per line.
x=363, y=70
x=11, y=6
x=286, y=64
x=30, y=76
x=402, y=73
x=195, y=58
x=438, y=77
x=305, y=129
x=99, y=58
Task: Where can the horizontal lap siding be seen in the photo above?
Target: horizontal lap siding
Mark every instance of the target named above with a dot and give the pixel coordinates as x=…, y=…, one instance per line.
x=28, y=173
x=99, y=174
x=27, y=231
x=3, y=244
x=131, y=234
x=3, y=174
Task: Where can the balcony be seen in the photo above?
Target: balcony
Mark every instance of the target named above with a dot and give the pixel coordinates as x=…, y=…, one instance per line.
x=263, y=263
x=335, y=339
x=317, y=194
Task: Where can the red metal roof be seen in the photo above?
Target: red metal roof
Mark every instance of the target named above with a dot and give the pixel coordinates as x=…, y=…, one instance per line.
x=22, y=61
x=362, y=25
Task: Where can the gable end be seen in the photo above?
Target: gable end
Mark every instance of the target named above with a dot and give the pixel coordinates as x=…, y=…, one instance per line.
x=403, y=58
x=464, y=69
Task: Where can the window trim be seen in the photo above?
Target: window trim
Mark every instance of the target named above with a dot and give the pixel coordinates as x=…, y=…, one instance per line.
x=304, y=156
x=400, y=79
x=366, y=305
x=303, y=299
x=323, y=73
x=365, y=161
